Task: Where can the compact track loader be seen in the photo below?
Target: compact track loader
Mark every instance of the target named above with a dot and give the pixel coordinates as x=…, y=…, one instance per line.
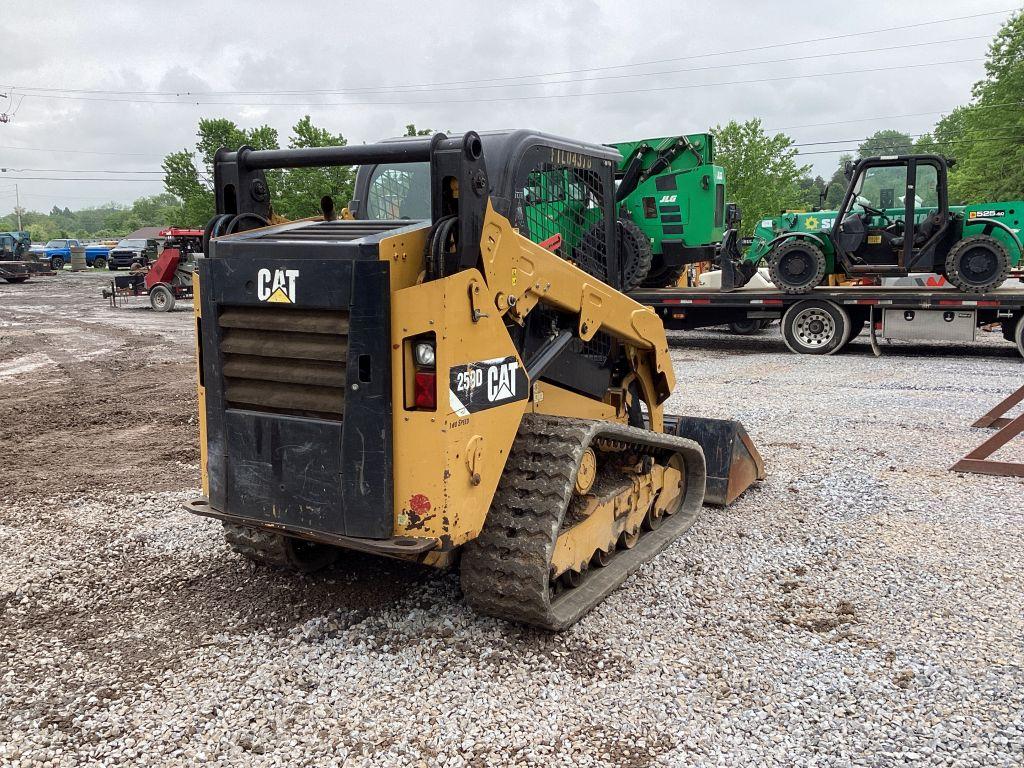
x=421, y=379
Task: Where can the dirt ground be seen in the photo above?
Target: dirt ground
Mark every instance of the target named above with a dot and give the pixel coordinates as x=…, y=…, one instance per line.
x=109, y=591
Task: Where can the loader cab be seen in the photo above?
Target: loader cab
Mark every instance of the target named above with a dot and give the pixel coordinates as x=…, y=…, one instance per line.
x=894, y=215
x=555, y=192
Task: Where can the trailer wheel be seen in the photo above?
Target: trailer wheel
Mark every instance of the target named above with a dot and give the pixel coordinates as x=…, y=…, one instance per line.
x=978, y=264
x=1018, y=336
x=797, y=266
x=161, y=298
x=748, y=327
x=57, y=263
x=815, y=327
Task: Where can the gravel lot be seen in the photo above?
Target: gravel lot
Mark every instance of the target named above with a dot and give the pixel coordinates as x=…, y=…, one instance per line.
x=861, y=607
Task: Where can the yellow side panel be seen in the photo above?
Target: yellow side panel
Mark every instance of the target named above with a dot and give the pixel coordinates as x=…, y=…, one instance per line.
x=556, y=401
x=199, y=384
x=447, y=466
x=405, y=253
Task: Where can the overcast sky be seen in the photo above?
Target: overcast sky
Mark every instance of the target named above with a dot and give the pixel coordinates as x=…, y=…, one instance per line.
x=102, y=61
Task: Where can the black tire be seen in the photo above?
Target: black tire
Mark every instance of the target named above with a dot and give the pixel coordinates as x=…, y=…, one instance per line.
x=111, y=266
x=635, y=254
x=1018, y=336
x=662, y=276
x=16, y=279
x=1009, y=326
x=57, y=263
x=815, y=327
x=748, y=327
x=797, y=266
x=99, y=263
x=978, y=264
x=161, y=298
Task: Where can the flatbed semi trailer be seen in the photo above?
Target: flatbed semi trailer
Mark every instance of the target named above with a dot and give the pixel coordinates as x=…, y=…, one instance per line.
x=825, y=320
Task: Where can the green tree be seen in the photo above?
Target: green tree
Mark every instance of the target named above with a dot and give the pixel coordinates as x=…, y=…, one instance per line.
x=411, y=130
x=295, y=193
x=837, y=183
x=887, y=142
x=762, y=170
x=986, y=137
x=301, y=189
x=193, y=187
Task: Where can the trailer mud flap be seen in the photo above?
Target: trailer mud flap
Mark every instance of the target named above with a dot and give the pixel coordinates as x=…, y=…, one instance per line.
x=733, y=463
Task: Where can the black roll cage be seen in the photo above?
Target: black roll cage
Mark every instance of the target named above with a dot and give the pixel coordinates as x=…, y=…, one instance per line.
x=906, y=262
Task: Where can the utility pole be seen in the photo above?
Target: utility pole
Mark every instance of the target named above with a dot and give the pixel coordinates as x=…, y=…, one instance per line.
x=17, y=205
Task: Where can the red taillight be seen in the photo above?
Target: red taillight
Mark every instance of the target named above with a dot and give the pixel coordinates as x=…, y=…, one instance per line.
x=426, y=390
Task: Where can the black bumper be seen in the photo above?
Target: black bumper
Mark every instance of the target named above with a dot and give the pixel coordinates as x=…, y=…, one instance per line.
x=298, y=454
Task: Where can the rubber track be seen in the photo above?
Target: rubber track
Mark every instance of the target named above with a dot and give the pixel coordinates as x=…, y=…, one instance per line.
x=259, y=546
x=505, y=570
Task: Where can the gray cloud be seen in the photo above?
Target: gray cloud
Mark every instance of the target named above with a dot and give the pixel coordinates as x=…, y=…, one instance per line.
x=233, y=46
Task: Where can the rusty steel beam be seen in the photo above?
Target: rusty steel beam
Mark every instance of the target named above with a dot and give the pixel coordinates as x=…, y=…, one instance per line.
x=977, y=461
x=994, y=419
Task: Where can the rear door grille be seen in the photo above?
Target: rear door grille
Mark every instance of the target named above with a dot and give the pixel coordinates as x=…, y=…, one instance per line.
x=285, y=360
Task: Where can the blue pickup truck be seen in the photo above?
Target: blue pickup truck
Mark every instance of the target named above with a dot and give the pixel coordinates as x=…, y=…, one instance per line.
x=58, y=253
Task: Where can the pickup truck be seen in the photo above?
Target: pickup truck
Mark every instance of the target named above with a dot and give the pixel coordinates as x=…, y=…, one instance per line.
x=58, y=253
x=132, y=251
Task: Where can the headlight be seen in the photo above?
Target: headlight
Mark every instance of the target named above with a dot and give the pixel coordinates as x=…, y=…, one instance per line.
x=424, y=353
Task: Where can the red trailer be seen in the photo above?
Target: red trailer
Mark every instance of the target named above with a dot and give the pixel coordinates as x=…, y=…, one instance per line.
x=169, y=278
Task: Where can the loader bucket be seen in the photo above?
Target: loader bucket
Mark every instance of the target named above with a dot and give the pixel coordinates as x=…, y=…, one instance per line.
x=733, y=463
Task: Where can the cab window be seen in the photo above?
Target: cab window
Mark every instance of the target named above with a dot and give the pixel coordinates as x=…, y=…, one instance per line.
x=927, y=187
x=399, y=191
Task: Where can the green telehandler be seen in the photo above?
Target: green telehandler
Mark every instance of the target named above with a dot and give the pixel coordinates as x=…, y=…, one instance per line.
x=894, y=219
x=672, y=197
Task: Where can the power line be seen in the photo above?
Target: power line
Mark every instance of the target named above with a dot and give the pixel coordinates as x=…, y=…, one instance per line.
x=81, y=151
x=965, y=136
x=74, y=178
x=3, y=171
x=650, y=62
x=490, y=84
x=894, y=147
x=533, y=97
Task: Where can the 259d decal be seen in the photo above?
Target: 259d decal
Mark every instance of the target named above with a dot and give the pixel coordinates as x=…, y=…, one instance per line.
x=486, y=384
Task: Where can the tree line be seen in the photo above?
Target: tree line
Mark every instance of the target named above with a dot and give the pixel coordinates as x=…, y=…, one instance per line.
x=763, y=171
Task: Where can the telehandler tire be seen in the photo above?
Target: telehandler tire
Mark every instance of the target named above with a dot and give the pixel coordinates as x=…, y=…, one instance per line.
x=635, y=252
x=664, y=276
x=978, y=264
x=797, y=266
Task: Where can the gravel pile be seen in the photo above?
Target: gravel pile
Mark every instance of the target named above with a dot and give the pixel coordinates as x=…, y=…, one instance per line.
x=861, y=607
